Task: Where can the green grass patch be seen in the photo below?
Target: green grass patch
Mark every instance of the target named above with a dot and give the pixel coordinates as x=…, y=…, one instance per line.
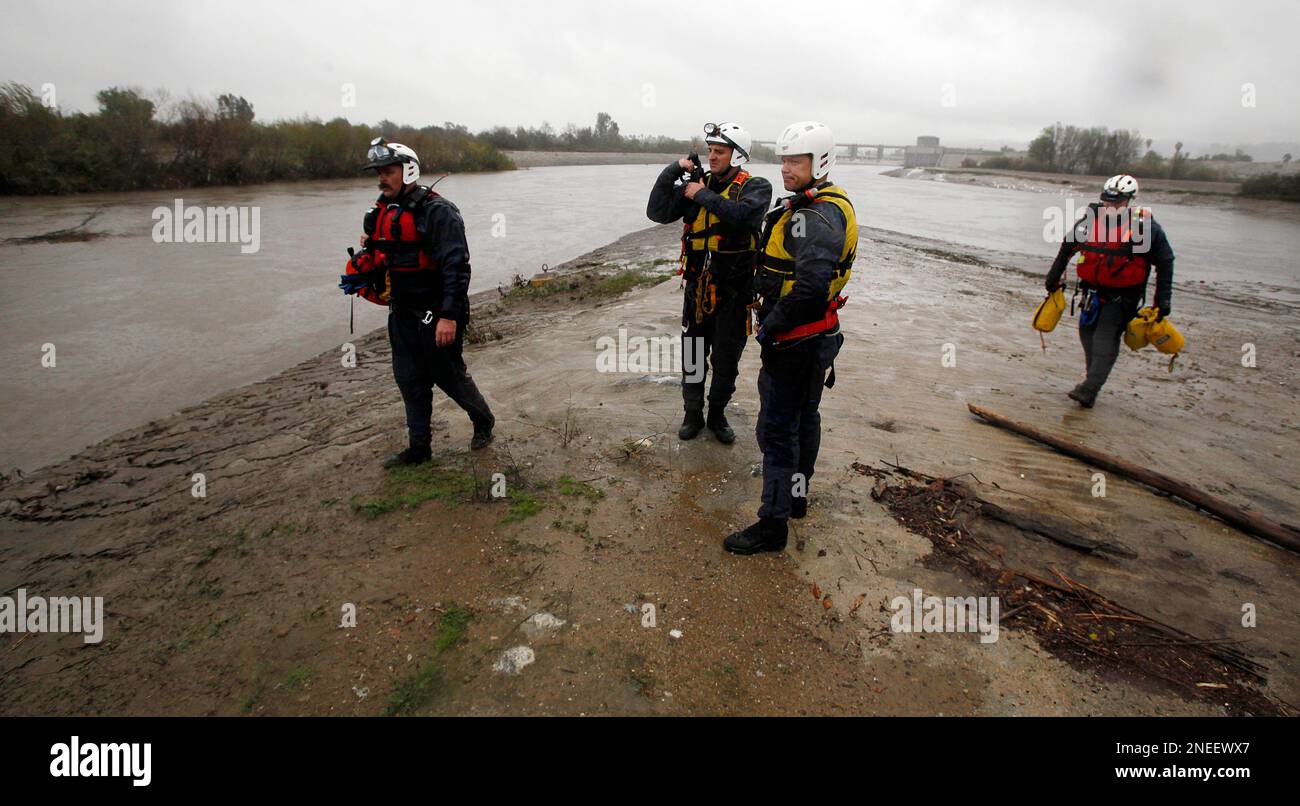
x=625, y=281
x=297, y=678
x=427, y=682
x=408, y=487
x=417, y=690
x=451, y=627
x=523, y=505
x=569, y=486
x=585, y=284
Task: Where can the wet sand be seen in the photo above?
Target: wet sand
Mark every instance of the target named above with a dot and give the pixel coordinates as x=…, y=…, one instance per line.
x=231, y=603
x=1219, y=195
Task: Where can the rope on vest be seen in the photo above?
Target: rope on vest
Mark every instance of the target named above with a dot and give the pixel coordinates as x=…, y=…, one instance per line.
x=681, y=265
x=751, y=314
x=706, y=291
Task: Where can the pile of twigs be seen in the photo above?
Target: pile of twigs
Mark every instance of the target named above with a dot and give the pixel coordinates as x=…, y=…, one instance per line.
x=1069, y=618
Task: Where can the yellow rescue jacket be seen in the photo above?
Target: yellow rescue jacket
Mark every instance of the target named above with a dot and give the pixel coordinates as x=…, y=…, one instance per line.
x=776, y=264
x=707, y=232
x=776, y=272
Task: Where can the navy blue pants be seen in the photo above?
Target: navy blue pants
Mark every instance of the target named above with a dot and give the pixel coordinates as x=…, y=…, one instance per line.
x=419, y=365
x=720, y=339
x=789, y=426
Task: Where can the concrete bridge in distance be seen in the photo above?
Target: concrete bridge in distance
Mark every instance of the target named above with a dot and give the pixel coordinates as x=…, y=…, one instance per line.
x=855, y=150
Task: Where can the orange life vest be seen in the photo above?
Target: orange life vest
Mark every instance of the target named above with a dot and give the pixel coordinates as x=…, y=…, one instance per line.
x=1106, y=259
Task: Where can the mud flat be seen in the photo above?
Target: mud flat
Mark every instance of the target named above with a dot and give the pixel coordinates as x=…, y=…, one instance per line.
x=596, y=583
x=1222, y=195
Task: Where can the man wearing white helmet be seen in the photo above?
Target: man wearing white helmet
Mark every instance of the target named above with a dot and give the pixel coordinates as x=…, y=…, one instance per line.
x=806, y=257
x=415, y=260
x=722, y=211
x=1117, y=246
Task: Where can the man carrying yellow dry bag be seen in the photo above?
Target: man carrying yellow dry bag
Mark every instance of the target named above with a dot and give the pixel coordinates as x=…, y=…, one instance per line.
x=1117, y=246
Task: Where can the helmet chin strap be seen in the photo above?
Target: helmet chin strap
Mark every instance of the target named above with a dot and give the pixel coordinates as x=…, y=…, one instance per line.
x=812, y=183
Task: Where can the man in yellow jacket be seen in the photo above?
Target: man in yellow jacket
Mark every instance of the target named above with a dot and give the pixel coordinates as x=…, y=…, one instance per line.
x=806, y=256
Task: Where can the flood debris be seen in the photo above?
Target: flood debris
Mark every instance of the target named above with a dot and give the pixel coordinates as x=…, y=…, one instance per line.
x=1281, y=534
x=1068, y=618
x=71, y=234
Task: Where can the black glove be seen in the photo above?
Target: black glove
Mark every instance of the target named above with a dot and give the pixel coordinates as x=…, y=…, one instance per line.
x=1162, y=311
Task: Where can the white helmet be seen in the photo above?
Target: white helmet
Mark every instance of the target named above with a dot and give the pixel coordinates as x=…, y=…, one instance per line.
x=732, y=135
x=809, y=137
x=1121, y=187
x=382, y=153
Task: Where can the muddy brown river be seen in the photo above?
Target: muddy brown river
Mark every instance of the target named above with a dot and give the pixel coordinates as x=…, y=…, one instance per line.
x=138, y=329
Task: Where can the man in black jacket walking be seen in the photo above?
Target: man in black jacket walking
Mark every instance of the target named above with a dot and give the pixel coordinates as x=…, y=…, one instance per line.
x=415, y=259
x=1118, y=245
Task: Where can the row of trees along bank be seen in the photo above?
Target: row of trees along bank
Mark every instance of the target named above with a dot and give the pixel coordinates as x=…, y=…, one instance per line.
x=134, y=142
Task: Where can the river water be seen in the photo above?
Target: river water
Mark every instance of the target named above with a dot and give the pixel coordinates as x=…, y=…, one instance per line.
x=141, y=329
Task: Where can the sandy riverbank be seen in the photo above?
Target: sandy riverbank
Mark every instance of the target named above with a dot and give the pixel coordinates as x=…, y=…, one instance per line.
x=232, y=603
x=1220, y=195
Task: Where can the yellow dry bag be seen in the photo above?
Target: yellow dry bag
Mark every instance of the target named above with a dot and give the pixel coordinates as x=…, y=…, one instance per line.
x=1165, y=337
x=1135, y=335
x=1049, y=311
x=1144, y=330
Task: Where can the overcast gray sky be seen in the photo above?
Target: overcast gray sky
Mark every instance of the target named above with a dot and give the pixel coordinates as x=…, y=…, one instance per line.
x=969, y=72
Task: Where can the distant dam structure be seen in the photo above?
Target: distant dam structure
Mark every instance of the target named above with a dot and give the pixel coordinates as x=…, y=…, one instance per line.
x=927, y=152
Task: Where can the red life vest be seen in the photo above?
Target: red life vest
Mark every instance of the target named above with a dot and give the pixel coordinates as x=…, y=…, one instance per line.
x=394, y=238
x=1106, y=259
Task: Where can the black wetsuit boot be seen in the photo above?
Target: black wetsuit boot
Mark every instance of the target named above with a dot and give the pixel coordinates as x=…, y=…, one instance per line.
x=769, y=534
x=419, y=365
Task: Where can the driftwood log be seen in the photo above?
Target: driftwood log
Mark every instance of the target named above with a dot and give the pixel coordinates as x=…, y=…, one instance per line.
x=1023, y=521
x=1064, y=537
x=1254, y=525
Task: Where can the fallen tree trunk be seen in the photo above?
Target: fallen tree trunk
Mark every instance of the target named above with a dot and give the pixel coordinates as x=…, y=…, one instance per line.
x=1023, y=522
x=1248, y=522
x=1064, y=537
